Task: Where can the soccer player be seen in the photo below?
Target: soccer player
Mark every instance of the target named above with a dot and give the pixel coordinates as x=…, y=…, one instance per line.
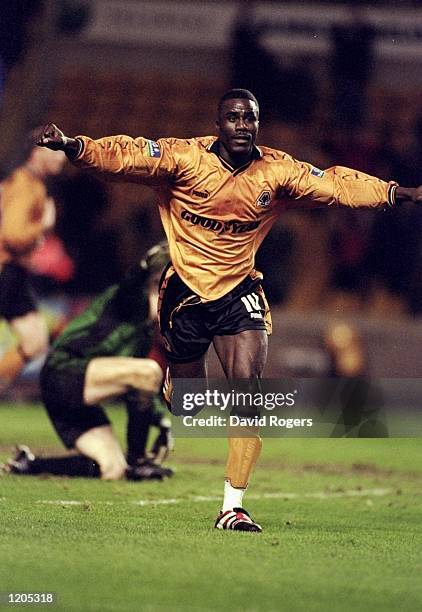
x=360, y=400
x=218, y=198
x=93, y=360
x=26, y=213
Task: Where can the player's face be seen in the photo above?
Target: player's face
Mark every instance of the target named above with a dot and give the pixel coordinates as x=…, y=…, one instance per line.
x=237, y=127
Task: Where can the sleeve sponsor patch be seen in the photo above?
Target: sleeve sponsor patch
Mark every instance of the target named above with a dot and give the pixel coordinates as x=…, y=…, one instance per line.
x=153, y=148
x=317, y=172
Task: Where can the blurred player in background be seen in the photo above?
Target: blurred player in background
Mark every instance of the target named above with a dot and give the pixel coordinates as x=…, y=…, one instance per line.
x=26, y=214
x=218, y=198
x=361, y=401
x=101, y=355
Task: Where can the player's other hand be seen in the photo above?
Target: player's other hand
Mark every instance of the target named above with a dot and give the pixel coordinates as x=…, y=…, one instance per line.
x=418, y=195
x=409, y=194
x=51, y=137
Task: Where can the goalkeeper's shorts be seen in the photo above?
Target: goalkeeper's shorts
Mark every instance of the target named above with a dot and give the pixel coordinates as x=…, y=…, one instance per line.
x=62, y=394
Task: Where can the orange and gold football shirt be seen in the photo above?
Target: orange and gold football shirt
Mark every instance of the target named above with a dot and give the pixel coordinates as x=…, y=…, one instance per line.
x=215, y=217
x=23, y=199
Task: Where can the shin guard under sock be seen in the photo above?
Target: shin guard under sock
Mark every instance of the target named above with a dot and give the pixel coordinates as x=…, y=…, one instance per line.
x=243, y=453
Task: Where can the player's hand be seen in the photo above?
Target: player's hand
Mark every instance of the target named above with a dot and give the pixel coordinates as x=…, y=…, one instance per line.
x=409, y=194
x=51, y=137
x=418, y=195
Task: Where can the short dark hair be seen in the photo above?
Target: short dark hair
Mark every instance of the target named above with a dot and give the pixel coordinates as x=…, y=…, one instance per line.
x=243, y=94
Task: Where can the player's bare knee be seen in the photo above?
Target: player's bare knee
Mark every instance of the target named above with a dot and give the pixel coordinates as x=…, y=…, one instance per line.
x=147, y=376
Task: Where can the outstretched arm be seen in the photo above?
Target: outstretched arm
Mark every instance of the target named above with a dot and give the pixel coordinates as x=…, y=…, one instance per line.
x=309, y=187
x=116, y=157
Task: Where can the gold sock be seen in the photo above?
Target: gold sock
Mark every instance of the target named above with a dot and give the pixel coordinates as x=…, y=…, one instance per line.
x=243, y=453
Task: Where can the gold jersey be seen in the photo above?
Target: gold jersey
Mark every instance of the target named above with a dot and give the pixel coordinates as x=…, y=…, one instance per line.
x=215, y=217
x=23, y=199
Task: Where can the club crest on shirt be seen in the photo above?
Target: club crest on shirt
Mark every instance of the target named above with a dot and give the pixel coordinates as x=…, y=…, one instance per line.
x=317, y=172
x=153, y=148
x=264, y=199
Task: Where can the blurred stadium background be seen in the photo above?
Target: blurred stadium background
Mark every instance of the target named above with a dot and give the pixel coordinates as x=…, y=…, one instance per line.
x=339, y=83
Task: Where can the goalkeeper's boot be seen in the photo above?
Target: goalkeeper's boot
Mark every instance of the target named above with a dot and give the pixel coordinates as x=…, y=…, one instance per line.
x=237, y=520
x=145, y=469
x=21, y=463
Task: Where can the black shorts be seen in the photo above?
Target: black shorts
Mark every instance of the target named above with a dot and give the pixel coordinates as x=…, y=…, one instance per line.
x=16, y=298
x=62, y=394
x=188, y=325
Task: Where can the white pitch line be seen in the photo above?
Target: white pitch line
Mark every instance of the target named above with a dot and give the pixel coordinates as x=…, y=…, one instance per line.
x=195, y=499
x=317, y=495
x=60, y=502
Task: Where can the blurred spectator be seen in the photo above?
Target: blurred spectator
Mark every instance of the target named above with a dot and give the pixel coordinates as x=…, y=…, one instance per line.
x=351, y=66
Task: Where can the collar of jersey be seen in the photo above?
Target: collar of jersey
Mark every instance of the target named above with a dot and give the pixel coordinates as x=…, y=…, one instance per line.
x=256, y=154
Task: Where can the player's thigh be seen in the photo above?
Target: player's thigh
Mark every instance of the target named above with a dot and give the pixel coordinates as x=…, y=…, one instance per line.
x=182, y=320
x=243, y=355
x=108, y=377
x=101, y=445
x=192, y=369
x=240, y=328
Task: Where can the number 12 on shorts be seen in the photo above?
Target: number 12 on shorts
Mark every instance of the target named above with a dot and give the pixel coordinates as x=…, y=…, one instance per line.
x=252, y=305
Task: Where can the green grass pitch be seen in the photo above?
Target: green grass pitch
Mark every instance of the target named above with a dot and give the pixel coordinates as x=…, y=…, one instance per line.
x=342, y=529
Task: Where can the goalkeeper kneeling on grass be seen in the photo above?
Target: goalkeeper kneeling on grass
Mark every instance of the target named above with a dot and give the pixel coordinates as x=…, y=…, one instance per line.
x=102, y=355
